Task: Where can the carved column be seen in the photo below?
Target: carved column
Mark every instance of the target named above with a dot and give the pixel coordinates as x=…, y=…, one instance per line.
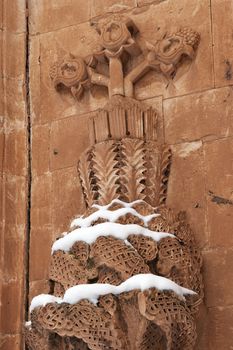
x=133, y=263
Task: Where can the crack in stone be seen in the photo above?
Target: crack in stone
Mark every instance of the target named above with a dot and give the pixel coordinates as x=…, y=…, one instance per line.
x=220, y=200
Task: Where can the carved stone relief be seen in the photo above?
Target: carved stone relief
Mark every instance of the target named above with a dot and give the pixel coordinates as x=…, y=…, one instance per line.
x=117, y=45
x=126, y=234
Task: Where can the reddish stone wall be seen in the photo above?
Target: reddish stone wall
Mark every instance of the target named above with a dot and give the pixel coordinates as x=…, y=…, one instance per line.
x=13, y=172
x=195, y=117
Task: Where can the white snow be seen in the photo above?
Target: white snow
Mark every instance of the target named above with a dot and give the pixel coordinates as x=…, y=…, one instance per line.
x=90, y=234
x=43, y=299
x=93, y=291
x=28, y=324
x=118, y=201
x=111, y=216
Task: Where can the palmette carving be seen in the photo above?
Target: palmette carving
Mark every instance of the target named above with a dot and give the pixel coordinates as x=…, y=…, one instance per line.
x=127, y=169
x=118, y=43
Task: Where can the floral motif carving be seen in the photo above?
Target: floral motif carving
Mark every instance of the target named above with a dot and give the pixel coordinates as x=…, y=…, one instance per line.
x=116, y=44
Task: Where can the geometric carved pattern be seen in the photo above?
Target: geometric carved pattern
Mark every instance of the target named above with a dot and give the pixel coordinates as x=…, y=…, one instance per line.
x=133, y=320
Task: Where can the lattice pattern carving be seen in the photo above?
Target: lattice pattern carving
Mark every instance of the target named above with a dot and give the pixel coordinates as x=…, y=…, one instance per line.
x=133, y=320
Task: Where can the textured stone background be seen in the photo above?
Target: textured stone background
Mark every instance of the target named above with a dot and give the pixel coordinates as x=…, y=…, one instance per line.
x=197, y=118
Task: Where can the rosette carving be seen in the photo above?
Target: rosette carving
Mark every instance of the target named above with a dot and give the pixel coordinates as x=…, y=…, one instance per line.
x=70, y=73
x=117, y=43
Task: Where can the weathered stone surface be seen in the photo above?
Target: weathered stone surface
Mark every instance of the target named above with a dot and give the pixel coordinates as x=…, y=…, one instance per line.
x=11, y=309
x=67, y=200
x=39, y=258
x=69, y=138
x=13, y=258
x=16, y=158
x=220, y=328
x=222, y=41
x=15, y=200
x=186, y=189
x=48, y=15
x=168, y=17
x=100, y=7
x=218, y=157
x=41, y=201
x=12, y=342
x=148, y=2
x=205, y=116
x=14, y=16
x=218, y=277
x=40, y=149
x=14, y=45
x=15, y=108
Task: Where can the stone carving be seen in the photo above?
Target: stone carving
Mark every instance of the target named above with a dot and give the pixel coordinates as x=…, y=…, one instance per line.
x=136, y=319
x=127, y=274
x=127, y=169
x=117, y=44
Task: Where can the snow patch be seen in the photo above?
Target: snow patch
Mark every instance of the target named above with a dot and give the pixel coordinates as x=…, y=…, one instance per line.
x=118, y=201
x=43, y=299
x=111, y=216
x=119, y=231
x=92, y=292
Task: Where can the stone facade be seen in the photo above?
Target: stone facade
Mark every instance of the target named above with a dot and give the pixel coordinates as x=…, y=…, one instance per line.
x=43, y=134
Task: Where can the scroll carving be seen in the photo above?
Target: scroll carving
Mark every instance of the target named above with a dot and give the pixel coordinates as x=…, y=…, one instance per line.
x=127, y=274
x=118, y=43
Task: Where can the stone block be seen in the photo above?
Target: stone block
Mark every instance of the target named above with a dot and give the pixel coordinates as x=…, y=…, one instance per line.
x=14, y=258
x=168, y=17
x=40, y=149
x=220, y=328
x=15, y=16
x=16, y=152
x=218, y=277
x=15, y=201
x=11, y=342
x=41, y=201
x=69, y=138
x=186, y=187
x=14, y=51
x=219, y=180
x=15, y=102
x=205, y=116
x=12, y=307
x=67, y=198
x=101, y=7
x=40, y=258
x=222, y=41
x=47, y=15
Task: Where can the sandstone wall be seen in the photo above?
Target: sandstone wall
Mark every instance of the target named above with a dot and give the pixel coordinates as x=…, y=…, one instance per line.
x=13, y=173
x=196, y=119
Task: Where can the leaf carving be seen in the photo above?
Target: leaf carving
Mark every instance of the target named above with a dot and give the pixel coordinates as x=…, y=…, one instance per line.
x=133, y=169
x=84, y=170
x=106, y=171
